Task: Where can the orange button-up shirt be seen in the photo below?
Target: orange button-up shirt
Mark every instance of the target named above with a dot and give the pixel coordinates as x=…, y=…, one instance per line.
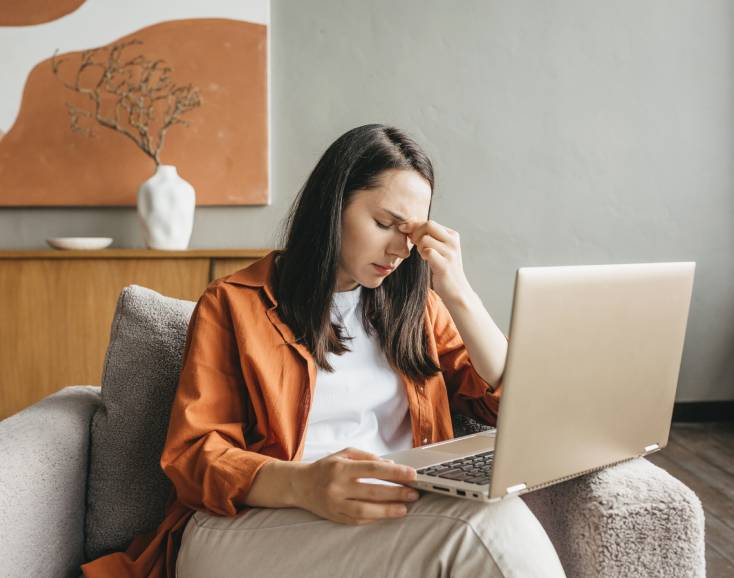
x=243, y=399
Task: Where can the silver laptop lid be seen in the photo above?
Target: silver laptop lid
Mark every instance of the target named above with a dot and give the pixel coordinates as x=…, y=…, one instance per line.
x=591, y=371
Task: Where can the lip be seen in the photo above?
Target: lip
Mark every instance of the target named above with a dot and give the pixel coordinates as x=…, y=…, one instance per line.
x=383, y=270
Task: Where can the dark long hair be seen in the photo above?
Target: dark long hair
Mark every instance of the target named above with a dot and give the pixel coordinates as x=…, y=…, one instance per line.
x=306, y=273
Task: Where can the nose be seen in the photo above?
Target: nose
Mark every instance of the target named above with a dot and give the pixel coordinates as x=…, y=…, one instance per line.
x=401, y=246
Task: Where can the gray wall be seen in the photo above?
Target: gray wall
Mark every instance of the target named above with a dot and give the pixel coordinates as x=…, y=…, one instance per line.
x=563, y=132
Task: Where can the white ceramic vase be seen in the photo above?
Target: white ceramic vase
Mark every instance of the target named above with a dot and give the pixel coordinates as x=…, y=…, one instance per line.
x=166, y=204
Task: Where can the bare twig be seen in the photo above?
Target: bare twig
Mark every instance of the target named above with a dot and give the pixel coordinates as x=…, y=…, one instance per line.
x=135, y=87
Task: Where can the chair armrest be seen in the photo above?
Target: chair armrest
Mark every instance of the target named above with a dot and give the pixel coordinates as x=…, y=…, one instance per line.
x=43, y=479
x=632, y=519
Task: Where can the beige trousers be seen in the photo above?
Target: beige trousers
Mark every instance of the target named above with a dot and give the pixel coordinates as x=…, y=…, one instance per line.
x=438, y=537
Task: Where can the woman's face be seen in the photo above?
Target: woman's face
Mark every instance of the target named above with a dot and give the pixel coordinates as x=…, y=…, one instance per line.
x=370, y=233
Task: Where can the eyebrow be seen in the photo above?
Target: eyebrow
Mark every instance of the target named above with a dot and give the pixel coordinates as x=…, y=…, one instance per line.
x=394, y=215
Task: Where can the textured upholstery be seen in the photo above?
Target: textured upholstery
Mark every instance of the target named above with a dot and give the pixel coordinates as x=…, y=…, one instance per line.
x=43, y=478
x=127, y=489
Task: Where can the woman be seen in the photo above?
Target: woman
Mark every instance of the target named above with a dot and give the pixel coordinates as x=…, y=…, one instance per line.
x=302, y=369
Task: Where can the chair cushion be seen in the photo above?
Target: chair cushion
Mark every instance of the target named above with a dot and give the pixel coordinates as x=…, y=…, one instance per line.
x=127, y=490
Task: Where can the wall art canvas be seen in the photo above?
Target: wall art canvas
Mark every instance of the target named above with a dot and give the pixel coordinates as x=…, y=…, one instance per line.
x=90, y=85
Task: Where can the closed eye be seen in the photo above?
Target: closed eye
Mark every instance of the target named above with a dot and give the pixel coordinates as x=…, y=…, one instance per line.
x=381, y=225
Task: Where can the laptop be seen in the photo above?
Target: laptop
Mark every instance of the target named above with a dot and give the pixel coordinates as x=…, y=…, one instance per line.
x=590, y=379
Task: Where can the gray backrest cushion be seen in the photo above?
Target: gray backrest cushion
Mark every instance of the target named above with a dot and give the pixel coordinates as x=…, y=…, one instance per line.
x=127, y=490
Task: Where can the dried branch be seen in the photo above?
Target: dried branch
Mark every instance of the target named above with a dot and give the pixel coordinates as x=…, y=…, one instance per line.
x=137, y=88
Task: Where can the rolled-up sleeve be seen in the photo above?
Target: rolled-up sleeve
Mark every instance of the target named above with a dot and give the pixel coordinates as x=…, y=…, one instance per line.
x=468, y=393
x=205, y=454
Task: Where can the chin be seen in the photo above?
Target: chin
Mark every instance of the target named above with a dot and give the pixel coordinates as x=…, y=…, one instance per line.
x=371, y=283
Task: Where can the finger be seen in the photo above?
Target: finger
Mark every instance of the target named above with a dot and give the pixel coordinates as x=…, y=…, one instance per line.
x=372, y=492
x=435, y=260
x=381, y=470
x=414, y=229
x=409, y=226
x=431, y=243
x=438, y=262
x=357, y=454
x=432, y=228
x=361, y=511
x=439, y=231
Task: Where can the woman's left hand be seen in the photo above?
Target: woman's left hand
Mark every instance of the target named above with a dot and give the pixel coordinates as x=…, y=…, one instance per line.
x=439, y=246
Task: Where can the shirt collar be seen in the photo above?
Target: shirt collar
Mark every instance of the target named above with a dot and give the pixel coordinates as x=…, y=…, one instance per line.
x=259, y=274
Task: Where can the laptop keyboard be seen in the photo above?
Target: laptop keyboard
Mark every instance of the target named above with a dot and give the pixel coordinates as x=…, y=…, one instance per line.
x=471, y=469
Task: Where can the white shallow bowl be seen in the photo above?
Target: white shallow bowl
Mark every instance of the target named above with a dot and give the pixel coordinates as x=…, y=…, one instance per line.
x=88, y=243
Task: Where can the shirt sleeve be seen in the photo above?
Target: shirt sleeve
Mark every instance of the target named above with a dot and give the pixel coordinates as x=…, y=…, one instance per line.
x=205, y=453
x=468, y=393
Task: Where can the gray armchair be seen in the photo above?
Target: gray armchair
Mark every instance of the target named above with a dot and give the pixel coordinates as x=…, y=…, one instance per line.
x=80, y=472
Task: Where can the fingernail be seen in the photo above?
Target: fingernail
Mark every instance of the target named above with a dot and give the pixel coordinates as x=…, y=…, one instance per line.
x=387, y=460
x=402, y=226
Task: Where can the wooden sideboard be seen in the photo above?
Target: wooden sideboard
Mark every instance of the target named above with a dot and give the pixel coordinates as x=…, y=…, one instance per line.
x=56, y=309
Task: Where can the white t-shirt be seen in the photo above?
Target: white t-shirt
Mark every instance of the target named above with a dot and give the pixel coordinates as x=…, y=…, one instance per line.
x=361, y=404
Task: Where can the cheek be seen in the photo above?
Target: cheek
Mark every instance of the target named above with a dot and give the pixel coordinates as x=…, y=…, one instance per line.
x=364, y=238
x=356, y=242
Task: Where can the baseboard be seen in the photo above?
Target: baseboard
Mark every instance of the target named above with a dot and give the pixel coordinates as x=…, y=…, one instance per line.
x=697, y=411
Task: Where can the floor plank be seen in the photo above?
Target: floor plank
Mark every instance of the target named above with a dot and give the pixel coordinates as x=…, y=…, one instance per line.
x=717, y=566
x=702, y=439
x=720, y=537
x=698, y=466
x=724, y=433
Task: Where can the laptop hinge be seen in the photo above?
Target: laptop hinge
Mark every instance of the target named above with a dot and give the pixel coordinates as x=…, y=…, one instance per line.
x=515, y=489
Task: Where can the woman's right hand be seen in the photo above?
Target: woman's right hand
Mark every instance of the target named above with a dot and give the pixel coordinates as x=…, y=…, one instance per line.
x=330, y=488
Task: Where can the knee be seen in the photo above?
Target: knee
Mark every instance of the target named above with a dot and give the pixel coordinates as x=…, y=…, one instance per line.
x=507, y=531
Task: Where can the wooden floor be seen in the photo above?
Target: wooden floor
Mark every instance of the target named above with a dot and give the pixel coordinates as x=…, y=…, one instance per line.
x=701, y=455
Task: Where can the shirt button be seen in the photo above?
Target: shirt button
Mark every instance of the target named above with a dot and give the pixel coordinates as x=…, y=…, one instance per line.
x=425, y=440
